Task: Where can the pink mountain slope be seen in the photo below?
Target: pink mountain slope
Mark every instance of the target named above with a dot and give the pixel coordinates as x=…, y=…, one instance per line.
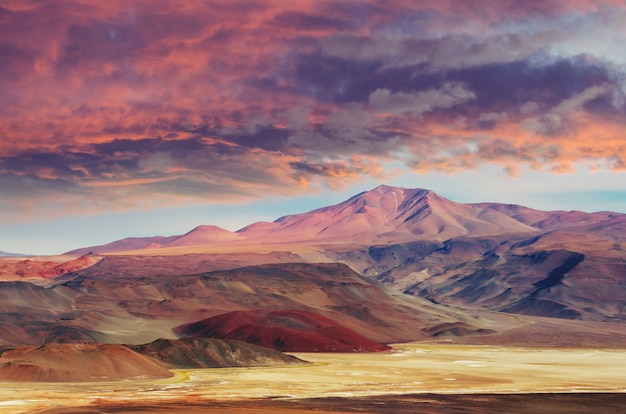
x=201, y=235
x=204, y=235
x=551, y=220
x=383, y=215
x=389, y=214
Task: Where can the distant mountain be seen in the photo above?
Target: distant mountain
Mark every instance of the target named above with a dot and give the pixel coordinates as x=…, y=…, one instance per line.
x=382, y=216
x=501, y=257
x=389, y=265
x=5, y=254
x=551, y=220
x=474, y=257
x=388, y=214
x=128, y=244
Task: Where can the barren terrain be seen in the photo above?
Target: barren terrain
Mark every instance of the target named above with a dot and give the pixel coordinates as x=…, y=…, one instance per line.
x=407, y=370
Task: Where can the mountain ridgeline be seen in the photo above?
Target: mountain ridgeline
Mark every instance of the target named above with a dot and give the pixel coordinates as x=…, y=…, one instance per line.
x=385, y=266
x=501, y=257
x=383, y=215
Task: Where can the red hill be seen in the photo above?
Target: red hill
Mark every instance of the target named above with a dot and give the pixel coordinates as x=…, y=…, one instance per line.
x=285, y=330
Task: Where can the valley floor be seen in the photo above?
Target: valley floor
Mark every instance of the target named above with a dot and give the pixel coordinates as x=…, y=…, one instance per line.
x=414, y=376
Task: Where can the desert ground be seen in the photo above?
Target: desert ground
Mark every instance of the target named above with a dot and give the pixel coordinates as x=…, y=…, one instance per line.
x=412, y=376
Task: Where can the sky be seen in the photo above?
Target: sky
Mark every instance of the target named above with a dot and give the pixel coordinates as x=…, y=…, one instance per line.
x=139, y=118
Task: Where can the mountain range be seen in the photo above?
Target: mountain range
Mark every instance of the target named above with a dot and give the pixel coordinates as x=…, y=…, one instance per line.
x=388, y=265
x=384, y=215
x=391, y=215
x=6, y=254
x=501, y=257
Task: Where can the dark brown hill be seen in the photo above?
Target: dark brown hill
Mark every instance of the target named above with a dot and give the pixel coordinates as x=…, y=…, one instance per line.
x=212, y=353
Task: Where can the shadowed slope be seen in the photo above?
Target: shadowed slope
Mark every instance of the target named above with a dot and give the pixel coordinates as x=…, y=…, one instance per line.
x=212, y=353
x=287, y=330
x=584, y=280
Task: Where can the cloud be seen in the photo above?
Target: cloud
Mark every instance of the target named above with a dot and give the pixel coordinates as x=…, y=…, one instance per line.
x=436, y=53
x=488, y=120
x=301, y=21
x=417, y=103
x=132, y=174
x=559, y=120
x=117, y=104
x=529, y=108
x=577, y=101
x=155, y=162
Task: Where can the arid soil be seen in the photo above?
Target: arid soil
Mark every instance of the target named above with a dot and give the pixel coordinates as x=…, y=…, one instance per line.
x=408, y=378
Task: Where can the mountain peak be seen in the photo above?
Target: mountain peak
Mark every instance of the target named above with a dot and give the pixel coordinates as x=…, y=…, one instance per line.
x=385, y=214
x=388, y=214
x=207, y=228
x=204, y=234
x=384, y=189
x=389, y=200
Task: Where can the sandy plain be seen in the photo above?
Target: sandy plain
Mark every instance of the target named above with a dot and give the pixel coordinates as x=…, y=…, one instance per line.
x=434, y=371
